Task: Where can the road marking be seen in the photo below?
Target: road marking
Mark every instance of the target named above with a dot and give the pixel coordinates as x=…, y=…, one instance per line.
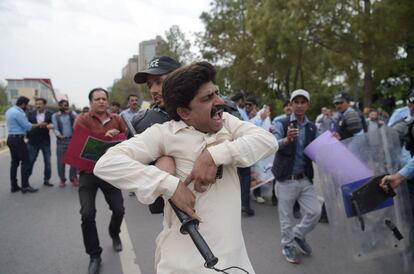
x=127, y=255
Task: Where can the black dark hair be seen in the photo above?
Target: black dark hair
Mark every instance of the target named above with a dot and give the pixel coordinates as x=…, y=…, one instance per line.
x=114, y=103
x=41, y=99
x=61, y=102
x=181, y=85
x=22, y=100
x=237, y=96
x=286, y=103
x=252, y=100
x=132, y=95
x=97, y=89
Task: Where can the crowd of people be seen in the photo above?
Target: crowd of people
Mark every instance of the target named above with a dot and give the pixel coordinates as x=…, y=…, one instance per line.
x=190, y=152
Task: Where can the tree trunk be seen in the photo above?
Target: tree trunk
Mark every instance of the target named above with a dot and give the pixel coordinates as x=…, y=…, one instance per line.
x=368, y=84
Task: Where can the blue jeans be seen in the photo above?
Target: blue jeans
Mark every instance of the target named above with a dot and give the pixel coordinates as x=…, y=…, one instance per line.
x=34, y=151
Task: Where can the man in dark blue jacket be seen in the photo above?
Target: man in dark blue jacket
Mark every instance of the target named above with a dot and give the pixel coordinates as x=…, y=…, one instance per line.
x=39, y=138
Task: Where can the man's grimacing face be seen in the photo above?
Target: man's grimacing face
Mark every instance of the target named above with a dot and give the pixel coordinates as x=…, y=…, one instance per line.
x=203, y=112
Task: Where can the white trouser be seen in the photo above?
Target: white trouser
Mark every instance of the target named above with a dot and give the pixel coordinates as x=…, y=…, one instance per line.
x=288, y=192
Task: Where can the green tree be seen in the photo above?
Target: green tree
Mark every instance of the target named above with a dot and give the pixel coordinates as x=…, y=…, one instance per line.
x=122, y=88
x=3, y=95
x=228, y=43
x=176, y=46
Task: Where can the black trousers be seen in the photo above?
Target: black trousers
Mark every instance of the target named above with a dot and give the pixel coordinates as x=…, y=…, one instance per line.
x=19, y=153
x=244, y=177
x=88, y=188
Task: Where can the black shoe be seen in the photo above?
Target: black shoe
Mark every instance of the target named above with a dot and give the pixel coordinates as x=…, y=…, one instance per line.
x=116, y=243
x=15, y=189
x=94, y=265
x=47, y=183
x=132, y=194
x=29, y=189
x=248, y=211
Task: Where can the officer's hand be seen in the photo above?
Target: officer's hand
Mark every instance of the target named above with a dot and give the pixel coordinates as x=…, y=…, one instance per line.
x=184, y=199
x=203, y=173
x=393, y=180
x=111, y=133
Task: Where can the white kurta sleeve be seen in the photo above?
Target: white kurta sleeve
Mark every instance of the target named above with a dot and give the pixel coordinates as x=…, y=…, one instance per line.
x=249, y=144
x=126, y=166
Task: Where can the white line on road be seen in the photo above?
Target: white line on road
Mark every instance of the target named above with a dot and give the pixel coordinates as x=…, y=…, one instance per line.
x=127, y=255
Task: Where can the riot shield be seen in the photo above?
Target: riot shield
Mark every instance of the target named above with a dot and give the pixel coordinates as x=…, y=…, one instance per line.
x=378, y=239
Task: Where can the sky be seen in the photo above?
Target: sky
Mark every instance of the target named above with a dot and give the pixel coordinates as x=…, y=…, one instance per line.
x=83, y=44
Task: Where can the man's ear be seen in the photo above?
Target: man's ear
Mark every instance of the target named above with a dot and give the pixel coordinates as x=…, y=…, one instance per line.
x=184, y=113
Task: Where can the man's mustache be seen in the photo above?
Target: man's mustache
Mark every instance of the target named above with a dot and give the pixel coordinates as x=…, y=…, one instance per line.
x=215, y=109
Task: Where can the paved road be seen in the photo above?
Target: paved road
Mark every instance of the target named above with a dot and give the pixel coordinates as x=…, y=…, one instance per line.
x=40, y=234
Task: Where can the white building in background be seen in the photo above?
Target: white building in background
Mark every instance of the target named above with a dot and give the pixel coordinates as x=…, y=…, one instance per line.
x=131, y=68
x=32, y=88
x=146, y=51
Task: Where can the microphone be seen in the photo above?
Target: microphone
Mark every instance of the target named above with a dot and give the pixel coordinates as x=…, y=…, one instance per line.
x=190, y=226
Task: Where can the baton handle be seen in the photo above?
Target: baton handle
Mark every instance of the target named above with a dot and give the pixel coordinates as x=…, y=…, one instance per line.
x=190, y=226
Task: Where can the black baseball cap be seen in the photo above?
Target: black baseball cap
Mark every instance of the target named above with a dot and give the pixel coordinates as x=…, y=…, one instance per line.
x=158, y=66
x=341, y=97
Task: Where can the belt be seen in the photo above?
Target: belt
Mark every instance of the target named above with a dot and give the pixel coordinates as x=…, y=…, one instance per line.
x=297, y=176
x=16, y=135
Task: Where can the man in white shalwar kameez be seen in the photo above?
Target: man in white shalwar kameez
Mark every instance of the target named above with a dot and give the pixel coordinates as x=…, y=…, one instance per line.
x=199, y=138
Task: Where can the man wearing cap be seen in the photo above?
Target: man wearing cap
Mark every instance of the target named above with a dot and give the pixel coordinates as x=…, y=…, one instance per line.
x=155, y=74
x=158, y=69
x=294, y=173
x=349, y=121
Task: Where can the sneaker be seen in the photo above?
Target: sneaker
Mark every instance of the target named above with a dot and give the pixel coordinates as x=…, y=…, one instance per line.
x=290, y=254
x=304, y=247
x=75, y=182
x=132, y=194
x=260, y=200
x=62, y=184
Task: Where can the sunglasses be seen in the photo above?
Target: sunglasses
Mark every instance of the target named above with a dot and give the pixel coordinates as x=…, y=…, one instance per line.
x=338, y=103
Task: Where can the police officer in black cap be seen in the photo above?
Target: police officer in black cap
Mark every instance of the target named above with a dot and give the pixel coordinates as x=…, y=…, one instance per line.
x=349, y=122
x=155, y=74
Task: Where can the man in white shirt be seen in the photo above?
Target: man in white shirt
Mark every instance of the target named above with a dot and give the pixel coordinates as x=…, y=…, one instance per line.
x=199, y=138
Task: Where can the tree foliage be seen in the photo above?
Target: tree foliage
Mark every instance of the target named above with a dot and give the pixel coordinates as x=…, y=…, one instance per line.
x=123, y=87
x=176, y=46
x=268, y=48
x=3, y=95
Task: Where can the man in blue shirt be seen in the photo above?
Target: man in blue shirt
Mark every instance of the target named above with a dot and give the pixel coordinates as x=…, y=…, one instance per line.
x=133, y=107
x=243, y=172
x=18, y=125
x=294, y=173
x=63, y=128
